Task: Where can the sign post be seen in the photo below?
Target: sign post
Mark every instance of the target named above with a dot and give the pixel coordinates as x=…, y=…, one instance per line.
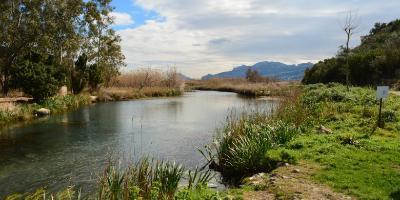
x=382, y=93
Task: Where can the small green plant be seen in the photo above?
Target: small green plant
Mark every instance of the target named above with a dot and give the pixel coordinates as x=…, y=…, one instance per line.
x=199, y=178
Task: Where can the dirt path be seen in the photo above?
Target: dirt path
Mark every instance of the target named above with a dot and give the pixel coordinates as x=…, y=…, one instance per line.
x=293, y=182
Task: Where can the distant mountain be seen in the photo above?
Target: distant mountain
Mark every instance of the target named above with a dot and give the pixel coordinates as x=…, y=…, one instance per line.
x=183, y=77
x=267, y=69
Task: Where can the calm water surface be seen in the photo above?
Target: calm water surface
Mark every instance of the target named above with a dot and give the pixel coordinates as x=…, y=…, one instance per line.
x=72, y=149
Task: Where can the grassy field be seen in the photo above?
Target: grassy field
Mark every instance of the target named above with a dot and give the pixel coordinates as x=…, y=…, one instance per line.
x=357, y=157
x=324, y=125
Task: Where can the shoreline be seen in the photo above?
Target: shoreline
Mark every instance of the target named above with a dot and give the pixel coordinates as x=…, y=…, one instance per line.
x=16, y=113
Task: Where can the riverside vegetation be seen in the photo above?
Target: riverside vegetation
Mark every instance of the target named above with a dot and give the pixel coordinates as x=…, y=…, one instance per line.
x=243, y=86
x=143, y=83
x=354, y=157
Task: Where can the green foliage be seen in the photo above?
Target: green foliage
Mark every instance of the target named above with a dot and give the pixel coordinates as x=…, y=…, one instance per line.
x=375, y=61
x=62, y=30
x=198, y=178
x=80, y=74
x=244, y=141
x=57, y=104
x=95, y=78
x=353, y=160
x=38, y=77
x=150, y=179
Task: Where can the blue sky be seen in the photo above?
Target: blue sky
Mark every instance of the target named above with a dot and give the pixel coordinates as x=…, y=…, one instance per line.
x=209, y=36
x=138, y=14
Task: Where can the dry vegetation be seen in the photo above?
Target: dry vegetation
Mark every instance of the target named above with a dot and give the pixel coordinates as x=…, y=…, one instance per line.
x=244, y=87
x=143, y=83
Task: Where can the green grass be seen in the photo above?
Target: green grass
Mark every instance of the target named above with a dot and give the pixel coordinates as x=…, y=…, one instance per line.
x=356, y=159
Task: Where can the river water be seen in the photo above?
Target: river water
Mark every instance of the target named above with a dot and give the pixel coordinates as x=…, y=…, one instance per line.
x=73, y=148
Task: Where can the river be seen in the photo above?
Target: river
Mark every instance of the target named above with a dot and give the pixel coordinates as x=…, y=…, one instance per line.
x=73, y=148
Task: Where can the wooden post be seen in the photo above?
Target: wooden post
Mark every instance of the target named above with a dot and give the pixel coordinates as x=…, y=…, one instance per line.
x=381, y=123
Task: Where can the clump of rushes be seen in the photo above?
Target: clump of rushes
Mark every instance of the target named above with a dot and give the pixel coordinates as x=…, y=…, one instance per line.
x=149, y=179
x=243, y=143
x=58, y=104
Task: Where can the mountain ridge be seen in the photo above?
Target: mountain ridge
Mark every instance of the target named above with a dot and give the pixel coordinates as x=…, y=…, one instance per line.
x=270, y=69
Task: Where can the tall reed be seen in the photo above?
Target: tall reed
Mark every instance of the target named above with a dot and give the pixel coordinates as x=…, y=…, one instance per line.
x=148, y=179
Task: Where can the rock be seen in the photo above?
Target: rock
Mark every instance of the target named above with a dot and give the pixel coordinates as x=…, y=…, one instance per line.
x=42, y=111
x=63, y=91
x=286, y=164
x=325, y=130
x=93, y=98
x=256, y=180
x=296, y=171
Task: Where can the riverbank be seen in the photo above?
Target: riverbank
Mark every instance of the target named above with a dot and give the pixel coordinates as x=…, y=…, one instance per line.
x=326, y=128
x=21, y=111
x=131, y=93
x=321, y=142
x=13, y=112
x=243, y=87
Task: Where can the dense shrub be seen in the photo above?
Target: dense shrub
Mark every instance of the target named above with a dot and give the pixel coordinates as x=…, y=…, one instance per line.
x=39, y=77
x=240, y=150
x=80, y=74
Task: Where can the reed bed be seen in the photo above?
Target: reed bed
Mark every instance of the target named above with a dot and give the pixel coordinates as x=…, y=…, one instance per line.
x=243, y=87
x=143, y=83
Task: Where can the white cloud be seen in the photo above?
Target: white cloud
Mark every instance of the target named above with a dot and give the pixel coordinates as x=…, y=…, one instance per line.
x=122, y=19
x=209, y=36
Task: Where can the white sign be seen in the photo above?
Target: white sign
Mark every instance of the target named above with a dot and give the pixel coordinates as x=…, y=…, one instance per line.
x=382, y=92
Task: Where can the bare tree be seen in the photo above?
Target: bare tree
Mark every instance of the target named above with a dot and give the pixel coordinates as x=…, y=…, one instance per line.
x=349, y=27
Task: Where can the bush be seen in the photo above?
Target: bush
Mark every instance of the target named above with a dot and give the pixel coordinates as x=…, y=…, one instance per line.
x=95, y=77
x=241, y=148
x=80, y=74
x=389, y=116
x=39, y=79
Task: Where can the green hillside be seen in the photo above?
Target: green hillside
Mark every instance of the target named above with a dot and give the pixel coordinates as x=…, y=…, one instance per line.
x=375, y=61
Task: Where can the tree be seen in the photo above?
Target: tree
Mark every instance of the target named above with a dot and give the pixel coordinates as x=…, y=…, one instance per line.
x=62, y=29
x=80, y=74
x=349, y=28
x=253, y=75
x=103, y=43
x=38, y=76
x=95, y=77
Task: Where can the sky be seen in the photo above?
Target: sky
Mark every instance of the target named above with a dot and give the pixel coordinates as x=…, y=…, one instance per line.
x=199, y=37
